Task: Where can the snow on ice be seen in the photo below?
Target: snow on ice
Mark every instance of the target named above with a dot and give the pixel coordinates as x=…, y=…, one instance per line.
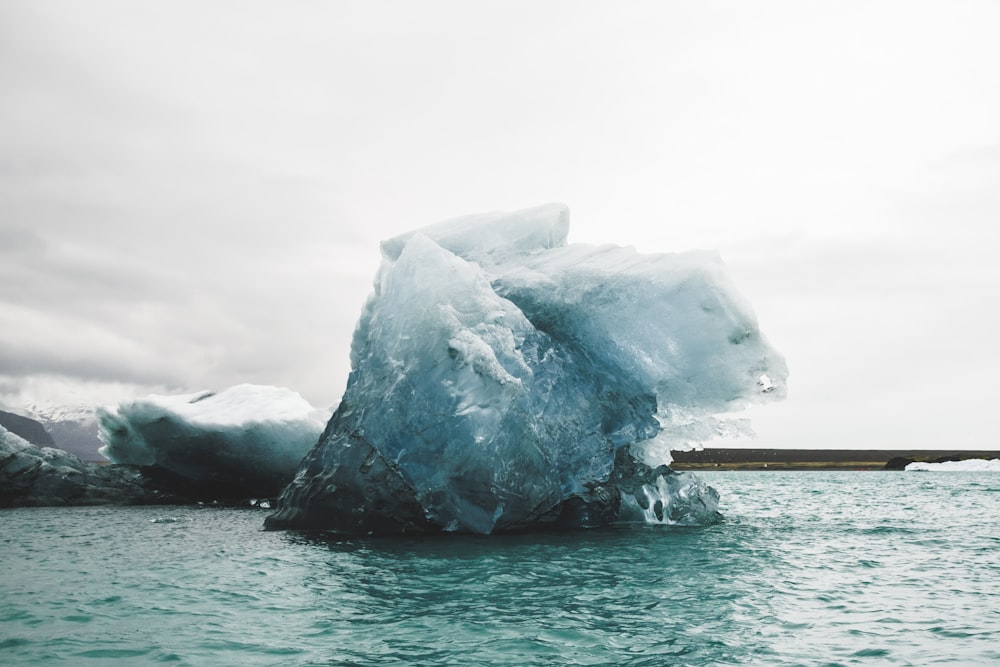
x=247, y=439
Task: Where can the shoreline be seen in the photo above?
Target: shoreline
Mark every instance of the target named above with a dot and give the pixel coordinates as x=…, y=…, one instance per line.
x=816, y=459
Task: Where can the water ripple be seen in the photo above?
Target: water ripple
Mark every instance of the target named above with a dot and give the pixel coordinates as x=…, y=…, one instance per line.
x=805, y=569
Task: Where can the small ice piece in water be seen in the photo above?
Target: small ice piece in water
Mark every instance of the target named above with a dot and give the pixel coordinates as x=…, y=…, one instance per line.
x=967, y=465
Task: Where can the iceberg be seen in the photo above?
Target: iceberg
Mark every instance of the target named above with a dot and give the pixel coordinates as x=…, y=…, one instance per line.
x=43, y=476
x=505, y=380
x=966, y=465
x=245, y=441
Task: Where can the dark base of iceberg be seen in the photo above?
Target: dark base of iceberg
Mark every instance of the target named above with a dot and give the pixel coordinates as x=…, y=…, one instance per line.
x=373, y=498
x=32, y=476
x=243, y=442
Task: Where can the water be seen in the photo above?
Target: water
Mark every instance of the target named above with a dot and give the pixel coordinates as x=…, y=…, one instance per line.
x=808, y=568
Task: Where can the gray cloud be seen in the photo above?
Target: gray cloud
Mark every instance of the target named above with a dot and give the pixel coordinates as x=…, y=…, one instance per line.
x=192, y=196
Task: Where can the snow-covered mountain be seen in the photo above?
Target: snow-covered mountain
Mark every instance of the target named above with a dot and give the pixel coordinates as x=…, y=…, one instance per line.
x=72, y=427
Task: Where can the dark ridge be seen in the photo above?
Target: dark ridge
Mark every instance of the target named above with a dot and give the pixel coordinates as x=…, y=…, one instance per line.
x=26, y=428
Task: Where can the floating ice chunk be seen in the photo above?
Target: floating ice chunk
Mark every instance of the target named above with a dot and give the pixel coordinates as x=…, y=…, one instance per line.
x=503, y=380
x=968, y=465
x=247, y=439
x=31, y=476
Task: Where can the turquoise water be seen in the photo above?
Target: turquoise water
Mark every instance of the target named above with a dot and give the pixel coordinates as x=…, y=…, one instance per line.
x=808, y=568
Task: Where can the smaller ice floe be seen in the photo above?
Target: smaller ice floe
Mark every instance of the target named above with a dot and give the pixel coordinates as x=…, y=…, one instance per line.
x=244, y=441
x=41, y=476
x=968, y=465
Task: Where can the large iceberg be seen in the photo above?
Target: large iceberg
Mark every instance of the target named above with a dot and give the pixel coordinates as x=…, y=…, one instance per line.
x=504, y=380
x=246, y=440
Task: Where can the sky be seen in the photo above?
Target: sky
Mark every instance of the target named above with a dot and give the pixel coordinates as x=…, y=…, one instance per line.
x=192, y=193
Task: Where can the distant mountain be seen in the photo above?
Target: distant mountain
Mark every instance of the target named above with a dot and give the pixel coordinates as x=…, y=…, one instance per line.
x=79, y=438
x=27, y=428
x=73, y=428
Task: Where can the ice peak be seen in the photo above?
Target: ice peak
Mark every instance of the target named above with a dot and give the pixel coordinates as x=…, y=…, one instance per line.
x=490, y=237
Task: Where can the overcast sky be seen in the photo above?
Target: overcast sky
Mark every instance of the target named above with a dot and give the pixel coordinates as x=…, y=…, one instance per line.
x=192, y=193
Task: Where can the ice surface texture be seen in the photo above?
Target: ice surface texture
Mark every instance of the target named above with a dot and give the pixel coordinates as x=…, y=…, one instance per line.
x=38, y=476
x=245, y=440
x=503, y=380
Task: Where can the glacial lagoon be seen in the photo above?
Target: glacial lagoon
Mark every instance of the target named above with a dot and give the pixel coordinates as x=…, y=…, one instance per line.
x=806, y=568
